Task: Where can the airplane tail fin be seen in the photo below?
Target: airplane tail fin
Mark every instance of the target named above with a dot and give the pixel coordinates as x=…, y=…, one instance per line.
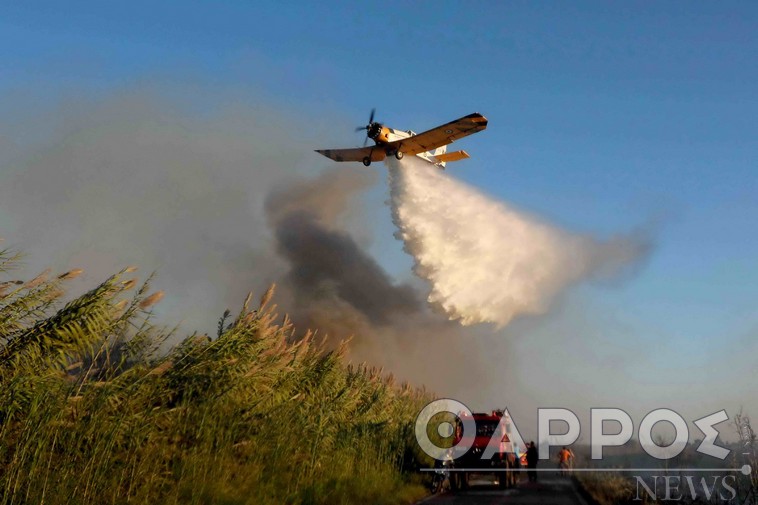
x=440, y=151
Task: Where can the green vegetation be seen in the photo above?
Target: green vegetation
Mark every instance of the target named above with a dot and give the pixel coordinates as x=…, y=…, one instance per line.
x=91, y=412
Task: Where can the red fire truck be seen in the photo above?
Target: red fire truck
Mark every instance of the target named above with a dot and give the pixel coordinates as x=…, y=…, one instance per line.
x=490, y=450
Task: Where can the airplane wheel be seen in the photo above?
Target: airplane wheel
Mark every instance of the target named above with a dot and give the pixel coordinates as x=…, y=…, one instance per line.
x=367, y=161
x=399, y=155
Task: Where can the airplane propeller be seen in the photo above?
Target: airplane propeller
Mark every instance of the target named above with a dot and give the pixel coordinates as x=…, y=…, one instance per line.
x=368, y=126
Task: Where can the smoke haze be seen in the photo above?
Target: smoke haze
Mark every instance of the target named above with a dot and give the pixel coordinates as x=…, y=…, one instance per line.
x=224, y=197
x=142, y=177
x=218, y=200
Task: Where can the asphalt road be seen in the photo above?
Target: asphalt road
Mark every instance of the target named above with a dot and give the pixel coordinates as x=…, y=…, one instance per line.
x=549, y=490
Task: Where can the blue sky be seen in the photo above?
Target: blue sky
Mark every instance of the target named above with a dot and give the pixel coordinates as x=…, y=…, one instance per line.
x=603, y=116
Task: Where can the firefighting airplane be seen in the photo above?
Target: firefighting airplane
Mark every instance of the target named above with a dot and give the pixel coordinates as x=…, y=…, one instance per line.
x=430, y=145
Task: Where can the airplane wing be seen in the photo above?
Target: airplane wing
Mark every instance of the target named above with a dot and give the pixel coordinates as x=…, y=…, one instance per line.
x=440, y=136
x=356, y=154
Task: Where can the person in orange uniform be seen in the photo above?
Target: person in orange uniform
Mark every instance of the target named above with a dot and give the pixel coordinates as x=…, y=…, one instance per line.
x=565, y=460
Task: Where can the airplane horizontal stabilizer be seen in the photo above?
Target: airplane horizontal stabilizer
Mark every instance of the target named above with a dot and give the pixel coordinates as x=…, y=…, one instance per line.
x=453, y=156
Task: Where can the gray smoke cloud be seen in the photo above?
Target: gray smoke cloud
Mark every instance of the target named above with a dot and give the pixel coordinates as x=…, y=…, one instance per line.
x=219, y=200
x=334, y=286
x=326, y=262
x=142, y=178
x=222, y=194
x=225, y=196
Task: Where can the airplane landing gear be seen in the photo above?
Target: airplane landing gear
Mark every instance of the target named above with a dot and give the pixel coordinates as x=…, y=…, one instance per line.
x=367, y=161
x=399, y=155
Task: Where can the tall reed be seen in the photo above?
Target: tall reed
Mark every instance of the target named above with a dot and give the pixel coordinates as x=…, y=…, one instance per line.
x=92, y=412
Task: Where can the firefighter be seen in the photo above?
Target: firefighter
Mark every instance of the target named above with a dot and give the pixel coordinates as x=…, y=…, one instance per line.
x=565, y=461
x=532, y=457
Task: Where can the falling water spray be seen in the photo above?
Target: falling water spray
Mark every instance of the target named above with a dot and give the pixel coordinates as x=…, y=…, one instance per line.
x=484, y=260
